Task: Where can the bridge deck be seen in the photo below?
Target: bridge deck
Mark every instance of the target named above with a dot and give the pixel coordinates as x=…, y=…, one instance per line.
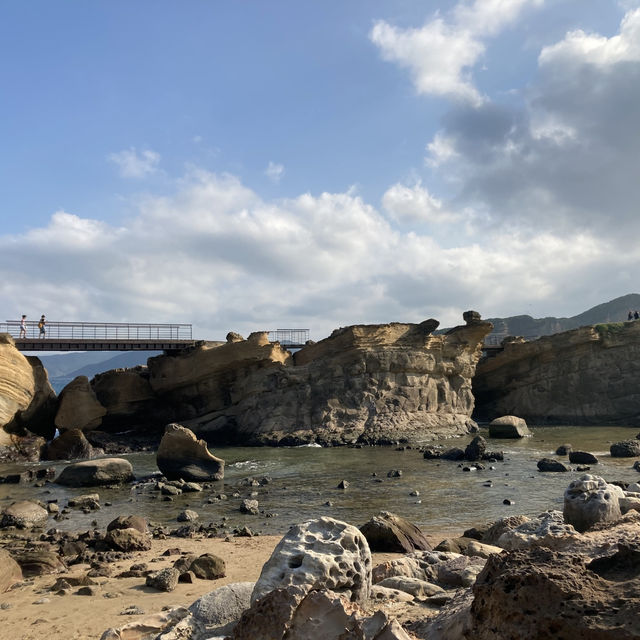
x=121, y=336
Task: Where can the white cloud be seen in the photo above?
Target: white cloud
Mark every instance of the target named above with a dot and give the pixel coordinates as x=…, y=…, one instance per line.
x=441, y=54
x=134, y=164
x=216, y=254
x=274, y=171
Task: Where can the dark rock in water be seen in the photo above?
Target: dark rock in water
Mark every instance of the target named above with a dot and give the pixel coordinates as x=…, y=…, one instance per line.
x=432, y=453
x=70, y=445
x=343, y=484
x=454, y=453
x=394, y=473
x=625, y=449
x=164, y=580
x=549, y=464
x=564, y=449
x=182, y=456
x=636, y=465
x=388, y=532
x=187, y=515
x=493, y=456
x=92, y=473
x=249, y=506
x=475, y=449
x=508, y=427
x=208, y=567
x=582, y=457
x=538, y=593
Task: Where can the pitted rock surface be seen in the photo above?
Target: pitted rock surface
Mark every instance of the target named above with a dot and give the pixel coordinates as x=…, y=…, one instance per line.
x=591, y=500
x=316, y=555
x=547, y=530
x=539, y=593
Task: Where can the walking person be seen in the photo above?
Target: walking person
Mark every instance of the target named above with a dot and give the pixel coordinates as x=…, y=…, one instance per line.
x=23, y=326
x=41, y=325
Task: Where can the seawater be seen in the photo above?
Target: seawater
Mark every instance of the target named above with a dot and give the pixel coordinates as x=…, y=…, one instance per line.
x=305, y=479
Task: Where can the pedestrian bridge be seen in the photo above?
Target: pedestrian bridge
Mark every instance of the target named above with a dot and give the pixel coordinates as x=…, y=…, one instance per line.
x=122, y=336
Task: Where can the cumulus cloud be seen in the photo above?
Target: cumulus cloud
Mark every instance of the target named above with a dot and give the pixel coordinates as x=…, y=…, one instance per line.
x=274, y=171
x=135, y=164
x=410, y=204
x=565, y=160
x=440, y=55
x=216, y=254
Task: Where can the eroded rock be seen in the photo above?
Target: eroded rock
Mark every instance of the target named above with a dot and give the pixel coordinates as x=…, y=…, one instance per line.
x=91, y=473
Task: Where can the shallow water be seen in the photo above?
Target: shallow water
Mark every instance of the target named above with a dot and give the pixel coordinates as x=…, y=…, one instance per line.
x=305, y=478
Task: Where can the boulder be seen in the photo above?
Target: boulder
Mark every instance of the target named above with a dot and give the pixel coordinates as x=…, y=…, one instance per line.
x=249, y=506
x=208, y=566
x=564, y=449
x=590, y=500
x=78, y=406
x=128, y=540
x=582, y=457
x=93, y=473
x=219, y=610
x=163, y=580
x=128, y=522
x=10, y=571
x=17, y=383
x=182, y=456
x=388, y=532
x=495, y=531
x=414, y=586
x=70, y=445
x=540, y=593
x=547, y=530
x=319, y=615
x=508, y=427
x=476, y=449
x=625, y=449
x=319, y=554
x=24, y=515
x=549, y=464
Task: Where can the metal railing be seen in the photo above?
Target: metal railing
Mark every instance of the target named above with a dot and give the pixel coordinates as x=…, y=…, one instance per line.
x=289, y=336
x=100, y=330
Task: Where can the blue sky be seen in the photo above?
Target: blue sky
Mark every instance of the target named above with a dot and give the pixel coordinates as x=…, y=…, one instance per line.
x=249, y=165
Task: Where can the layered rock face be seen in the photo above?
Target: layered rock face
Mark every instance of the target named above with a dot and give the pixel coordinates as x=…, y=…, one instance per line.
x=372, y=383
x=27, y=400
x=585, y=376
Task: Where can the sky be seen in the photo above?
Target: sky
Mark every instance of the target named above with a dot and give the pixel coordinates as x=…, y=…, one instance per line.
x=250, y=165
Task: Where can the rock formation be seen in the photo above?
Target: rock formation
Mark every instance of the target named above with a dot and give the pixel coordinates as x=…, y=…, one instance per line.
x=27, y=400
x=372, y=383
x=584, y=376
x=182, y=456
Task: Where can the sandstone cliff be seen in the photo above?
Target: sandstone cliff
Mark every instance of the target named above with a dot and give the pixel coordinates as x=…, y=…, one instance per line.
x=368, y=383
x=27, y=400
x=585, y=376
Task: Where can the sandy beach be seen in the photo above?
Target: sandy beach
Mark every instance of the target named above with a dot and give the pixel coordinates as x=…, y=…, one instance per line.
x=34, y=612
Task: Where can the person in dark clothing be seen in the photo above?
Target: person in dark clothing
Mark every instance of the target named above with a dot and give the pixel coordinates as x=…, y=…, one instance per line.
x=636, y=315
x=630, y=315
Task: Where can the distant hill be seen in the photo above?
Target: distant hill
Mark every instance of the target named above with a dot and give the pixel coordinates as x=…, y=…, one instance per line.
x=613, y=311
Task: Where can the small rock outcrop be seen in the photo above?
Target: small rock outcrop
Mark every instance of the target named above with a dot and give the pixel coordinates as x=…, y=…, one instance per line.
x=316, y=555
x=591, y=500
x=549, y=464
x=388, y=532
x=181, y=456
x=91, y=473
